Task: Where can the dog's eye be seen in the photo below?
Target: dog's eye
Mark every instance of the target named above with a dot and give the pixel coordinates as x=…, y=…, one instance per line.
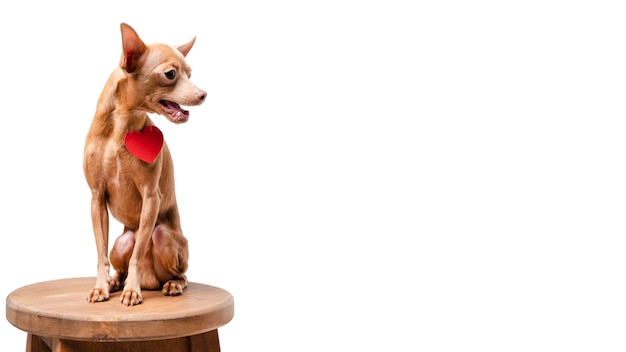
x=170, y=74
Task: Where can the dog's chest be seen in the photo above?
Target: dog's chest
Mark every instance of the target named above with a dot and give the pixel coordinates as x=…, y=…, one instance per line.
x=123, y=179
x=121, y=171
x=112, y=165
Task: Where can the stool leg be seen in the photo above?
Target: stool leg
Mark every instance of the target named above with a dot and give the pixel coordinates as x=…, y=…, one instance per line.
x=60, y=345
x=206, y=342
x=34, y=343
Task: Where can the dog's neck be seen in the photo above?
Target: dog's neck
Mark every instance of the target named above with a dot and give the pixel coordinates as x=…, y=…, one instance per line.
x=115, y=118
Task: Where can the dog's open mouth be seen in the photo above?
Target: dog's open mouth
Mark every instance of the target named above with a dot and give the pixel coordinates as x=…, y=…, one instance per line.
x=174, y=110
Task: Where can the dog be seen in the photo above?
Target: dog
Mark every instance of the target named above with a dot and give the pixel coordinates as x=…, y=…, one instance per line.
x=129, y=170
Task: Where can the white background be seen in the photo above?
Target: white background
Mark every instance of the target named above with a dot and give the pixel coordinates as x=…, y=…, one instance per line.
x=364, y=176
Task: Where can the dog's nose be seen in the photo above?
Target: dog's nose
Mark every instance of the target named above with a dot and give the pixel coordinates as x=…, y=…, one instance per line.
x=201, y=95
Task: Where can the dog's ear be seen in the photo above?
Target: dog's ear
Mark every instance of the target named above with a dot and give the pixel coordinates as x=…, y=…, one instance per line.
x=184, y=49
x=133, y=48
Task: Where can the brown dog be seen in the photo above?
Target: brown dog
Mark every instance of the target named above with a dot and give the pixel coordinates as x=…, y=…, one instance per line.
x=129, y=170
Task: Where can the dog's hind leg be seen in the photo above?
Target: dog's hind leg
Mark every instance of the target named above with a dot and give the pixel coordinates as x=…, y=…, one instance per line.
x=119, y=256
x=170, y=254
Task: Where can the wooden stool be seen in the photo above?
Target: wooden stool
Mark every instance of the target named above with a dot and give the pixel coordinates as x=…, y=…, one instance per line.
x=58, y=318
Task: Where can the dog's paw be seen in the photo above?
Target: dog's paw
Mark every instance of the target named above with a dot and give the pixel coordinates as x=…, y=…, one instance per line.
x=114, y=285
x=97, y=295
x=172, y=288
x=131, y=297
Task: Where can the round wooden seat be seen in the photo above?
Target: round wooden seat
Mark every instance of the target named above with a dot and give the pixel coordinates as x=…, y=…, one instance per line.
x=57, y=317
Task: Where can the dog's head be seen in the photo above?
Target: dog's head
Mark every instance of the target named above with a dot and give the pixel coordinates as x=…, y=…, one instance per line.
x=160, y=76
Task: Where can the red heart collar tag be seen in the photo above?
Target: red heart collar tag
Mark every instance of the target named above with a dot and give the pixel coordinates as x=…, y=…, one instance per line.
x=145, y=144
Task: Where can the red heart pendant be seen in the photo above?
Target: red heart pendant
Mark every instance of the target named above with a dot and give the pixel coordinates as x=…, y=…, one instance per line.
x=145, y=144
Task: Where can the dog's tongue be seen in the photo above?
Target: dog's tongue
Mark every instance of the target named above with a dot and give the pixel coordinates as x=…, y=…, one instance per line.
x=174, y=110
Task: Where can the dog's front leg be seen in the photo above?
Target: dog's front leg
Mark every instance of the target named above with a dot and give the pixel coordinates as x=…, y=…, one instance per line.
x=100, y=222
x=149, y=211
